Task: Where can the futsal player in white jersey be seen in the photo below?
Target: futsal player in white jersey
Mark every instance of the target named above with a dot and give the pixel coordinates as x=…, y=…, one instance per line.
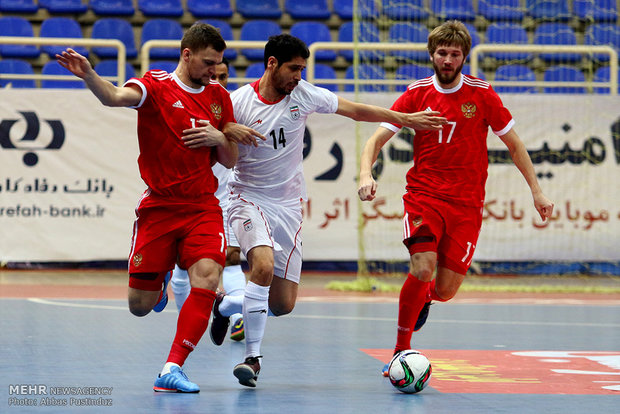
x=267, y=185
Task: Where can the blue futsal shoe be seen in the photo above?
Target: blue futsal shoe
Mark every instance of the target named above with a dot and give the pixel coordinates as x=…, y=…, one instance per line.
x=385, y=371
x=163, y=301
x=175, y=381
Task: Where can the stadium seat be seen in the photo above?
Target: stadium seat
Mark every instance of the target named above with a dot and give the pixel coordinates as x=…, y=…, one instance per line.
x=596, y=10
x=367, y=9
x=322, y=71
x=507, y=33
x=554, y=10
x=556, y=34
x=412, y=10
x=409, y=33
x=606, y=34
x=307, y=9
x=63, y=6
x=166, y=29
x=259, y=9
x=112, y=7
x=257, y=30
x=602, y=74
x=453, y=9
x=17, y=26
x=501, y=10
x=61, y=27
x=368, y=33
x=53, y=68
x=515, y=73
x=114, y=28
x=475, y=36
x=167, y=65
x=255, y=70
x=211, y=9
x=227, y=33
x=366, y=71
x=232, y=73
x=563, y=73
x=311, y=32
x=412, y=72
x=19, y=67
x=18, y=6
x=161, y=8
x=110, y=68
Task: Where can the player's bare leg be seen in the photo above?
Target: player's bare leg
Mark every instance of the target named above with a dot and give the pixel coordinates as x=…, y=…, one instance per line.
x=282, y=296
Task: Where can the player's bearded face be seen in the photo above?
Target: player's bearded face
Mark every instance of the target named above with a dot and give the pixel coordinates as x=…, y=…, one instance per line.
x=288, y=75
x=448, y=63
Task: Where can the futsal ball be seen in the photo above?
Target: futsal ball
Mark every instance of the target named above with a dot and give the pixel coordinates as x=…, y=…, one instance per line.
x=410, y=371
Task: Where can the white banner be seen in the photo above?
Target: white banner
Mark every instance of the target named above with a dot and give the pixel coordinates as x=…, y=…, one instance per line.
x=69, y=182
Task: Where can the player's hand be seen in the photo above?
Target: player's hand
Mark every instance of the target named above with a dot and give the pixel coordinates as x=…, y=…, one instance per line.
x=543, y=205
x=242, y=134
x=367, y=187
x=425, y=120
x=204, y=136
x=75, y=63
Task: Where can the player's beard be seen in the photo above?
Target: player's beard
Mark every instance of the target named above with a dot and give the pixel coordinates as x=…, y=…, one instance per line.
x=447, y=79
x=281, y=86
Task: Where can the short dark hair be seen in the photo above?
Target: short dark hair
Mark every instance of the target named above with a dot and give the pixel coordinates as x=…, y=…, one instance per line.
x=284, y=48
x=226, y=62
x=200, y=36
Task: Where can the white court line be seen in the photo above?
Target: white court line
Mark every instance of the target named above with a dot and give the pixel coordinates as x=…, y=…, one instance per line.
x=353, y=318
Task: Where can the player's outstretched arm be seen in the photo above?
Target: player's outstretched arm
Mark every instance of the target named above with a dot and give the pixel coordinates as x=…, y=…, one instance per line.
x=367, y=184
x=427, y=120
x=522, y=160
x=242, y=134
x=105, y=91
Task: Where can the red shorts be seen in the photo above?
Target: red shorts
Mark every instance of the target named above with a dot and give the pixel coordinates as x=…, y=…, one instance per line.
x=166, y=234
x=439, y=226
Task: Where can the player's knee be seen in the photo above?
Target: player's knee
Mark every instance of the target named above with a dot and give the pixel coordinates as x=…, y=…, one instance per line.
x=138, y=306
x=424, y=274
x=233, y=257
x=422, y=267
x=281, y=309
x=445, y=293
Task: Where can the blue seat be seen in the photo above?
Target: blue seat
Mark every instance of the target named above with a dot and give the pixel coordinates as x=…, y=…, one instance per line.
x=227, y=33
x=163, y=29
x=501, y=10
x=602, y=74
x=322, y=71
x=161, y=8
x=19, y=67
x=53, y=68
x=412, y=72
x=409, y=33
x=453, y=9
x=563, y=73
x=63, y=6
x=515, y=73
x=596, y=10
x=507, y=33
x=110, y=68
x=366, y=71
x=255, y=70
x=367, y=9
x=114, y=28
x=257, y=30
x=412, y=10
x=556, y=34
x=232, y=73
x=18, y=6
x=210, y=9
x=368, y=33
x=307, y=9
x=61, y=27
x=311, y=32
x=167, y=65
x=555, y=10
x=607, y=34
x=17, y=26
x=259, y=9
x=112, y=7
x=475, y=36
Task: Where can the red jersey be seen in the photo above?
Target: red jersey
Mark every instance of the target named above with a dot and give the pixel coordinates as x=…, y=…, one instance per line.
x=452, y=164
x=168, y=107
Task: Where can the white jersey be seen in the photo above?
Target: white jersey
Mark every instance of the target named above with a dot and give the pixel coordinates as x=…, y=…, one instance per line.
x=273, y=170
x=223, y=176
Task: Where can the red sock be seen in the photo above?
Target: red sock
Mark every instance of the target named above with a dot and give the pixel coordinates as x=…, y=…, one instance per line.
x=412, y=298
x=192, y=324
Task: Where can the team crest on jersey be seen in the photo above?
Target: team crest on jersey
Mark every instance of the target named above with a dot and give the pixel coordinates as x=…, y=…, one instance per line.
x=417, y=222
x=217, y=110
x=295, y=112
x=137, y=259
x=469, y=110
x=247, y=225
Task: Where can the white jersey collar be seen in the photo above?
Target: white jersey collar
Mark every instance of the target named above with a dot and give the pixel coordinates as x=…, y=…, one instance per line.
x=184, y=86
x=451, y=90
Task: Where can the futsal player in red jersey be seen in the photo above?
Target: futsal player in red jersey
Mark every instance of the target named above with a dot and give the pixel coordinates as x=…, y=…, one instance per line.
x=178, y=216
x=445, y=186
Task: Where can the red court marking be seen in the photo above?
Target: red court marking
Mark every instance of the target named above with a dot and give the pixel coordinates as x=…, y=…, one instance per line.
x=520, y=372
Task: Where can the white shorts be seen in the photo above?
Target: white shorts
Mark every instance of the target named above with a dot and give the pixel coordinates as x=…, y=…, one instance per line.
x=231, y=240
x=260, y=223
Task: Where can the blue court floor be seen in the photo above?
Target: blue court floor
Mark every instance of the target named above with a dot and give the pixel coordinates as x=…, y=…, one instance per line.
x=93, y=356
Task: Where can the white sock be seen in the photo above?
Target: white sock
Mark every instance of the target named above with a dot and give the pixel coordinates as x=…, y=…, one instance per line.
x=231, y=305
x=167, y=366
x=233, y=280
x=255, y=306
x=180, y=286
